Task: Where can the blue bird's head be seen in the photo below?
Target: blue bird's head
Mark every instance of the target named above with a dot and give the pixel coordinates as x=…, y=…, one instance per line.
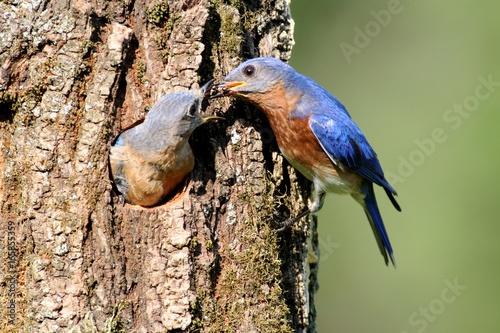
x=275, y=87
x=254, y=77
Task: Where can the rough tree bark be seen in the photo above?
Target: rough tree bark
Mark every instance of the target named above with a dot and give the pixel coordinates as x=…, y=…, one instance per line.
x=74, y=74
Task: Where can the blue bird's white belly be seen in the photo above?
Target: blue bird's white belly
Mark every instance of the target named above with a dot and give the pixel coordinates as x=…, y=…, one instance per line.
x=327, y=176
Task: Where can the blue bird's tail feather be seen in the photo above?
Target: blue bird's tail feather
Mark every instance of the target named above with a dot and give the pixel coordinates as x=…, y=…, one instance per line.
x=391, y=194
x=372, y=212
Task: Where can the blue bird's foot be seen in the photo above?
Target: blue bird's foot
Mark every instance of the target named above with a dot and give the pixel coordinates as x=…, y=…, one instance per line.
x=319, y=197
x=287, y=223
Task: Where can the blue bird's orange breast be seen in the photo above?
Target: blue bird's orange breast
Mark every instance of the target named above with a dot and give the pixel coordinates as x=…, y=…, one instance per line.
x=300, y=146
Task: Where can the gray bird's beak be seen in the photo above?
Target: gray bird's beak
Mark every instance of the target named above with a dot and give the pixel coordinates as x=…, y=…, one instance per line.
x=207, y=117
x=206, y=89
x=227, y=88
x=207, y=86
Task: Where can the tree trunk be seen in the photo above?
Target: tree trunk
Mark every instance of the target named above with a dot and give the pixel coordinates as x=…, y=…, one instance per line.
x=74, y=75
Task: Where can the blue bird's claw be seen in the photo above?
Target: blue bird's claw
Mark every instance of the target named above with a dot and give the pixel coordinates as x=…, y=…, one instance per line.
x=289, y=222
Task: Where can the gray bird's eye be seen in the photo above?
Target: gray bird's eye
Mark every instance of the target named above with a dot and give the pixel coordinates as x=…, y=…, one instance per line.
x=249, y=70
x=192, y=110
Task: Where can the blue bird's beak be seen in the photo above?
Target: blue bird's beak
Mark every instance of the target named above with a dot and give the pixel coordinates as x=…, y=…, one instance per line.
x=227, y=88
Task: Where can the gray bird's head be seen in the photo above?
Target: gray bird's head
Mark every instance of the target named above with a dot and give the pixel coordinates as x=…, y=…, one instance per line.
x=178, y=114
x=255, y=76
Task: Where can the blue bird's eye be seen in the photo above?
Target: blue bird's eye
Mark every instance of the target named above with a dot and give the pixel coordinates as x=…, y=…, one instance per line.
x=249, y=70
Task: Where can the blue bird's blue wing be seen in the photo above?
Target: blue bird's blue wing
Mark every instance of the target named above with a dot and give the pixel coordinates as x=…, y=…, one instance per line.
x=344, y=143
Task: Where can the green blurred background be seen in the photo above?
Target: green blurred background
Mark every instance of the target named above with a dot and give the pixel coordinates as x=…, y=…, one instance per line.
x=404, y=81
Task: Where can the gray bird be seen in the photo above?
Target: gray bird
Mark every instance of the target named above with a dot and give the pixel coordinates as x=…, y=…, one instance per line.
x=149, y=160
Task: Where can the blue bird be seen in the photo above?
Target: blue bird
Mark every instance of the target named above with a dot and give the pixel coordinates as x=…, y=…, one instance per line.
x=316, y=135
x=149, y=160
